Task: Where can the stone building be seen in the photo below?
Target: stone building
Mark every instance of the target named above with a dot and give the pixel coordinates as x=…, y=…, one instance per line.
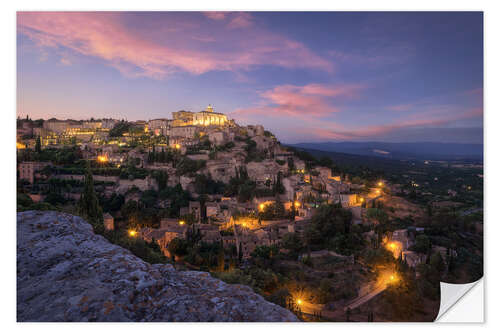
x=158, y=126
x=187, y=131
x=182, y=118
x=56, y=126
x=348, y=200
x=212, y=209
x=208, y=117
x=218, y=137
x=27, y=170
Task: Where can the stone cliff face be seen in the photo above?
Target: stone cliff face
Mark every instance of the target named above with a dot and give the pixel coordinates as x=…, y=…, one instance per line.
x=67, y=273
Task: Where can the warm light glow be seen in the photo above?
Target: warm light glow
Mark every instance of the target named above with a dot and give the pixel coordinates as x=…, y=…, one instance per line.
x=132, y=233
x=393, y=278
x=377, y=191
x=297, y=204
x=380, y=184
x=392, y=246
x=181, y=222
x=362, y=199
x=177, y=146
x=261, y=207
x=20, y=145
x=299, y=301
x=102, y=158
x=388, y=277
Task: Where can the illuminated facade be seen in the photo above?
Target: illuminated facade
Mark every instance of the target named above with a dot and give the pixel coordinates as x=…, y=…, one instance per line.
x=209, y=118
x=182, y=118
x=206, y=117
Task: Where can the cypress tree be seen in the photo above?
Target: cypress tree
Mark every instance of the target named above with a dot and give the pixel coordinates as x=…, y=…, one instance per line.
x=88, y=205
x=221, y=258
x=240, y=253
x=38, y=145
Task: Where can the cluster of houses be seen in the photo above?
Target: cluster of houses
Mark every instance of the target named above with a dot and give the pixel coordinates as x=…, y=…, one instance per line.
x=304, y=188
x=400, y=242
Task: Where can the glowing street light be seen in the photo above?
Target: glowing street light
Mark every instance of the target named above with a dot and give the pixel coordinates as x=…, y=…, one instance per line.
x=181, y=222
x=393, y=278
x=261, y=207
x=102, y=158
x=297, y=204
x=177, y=146
x=299, y=301
x=380, y=184
x=132, y=233
x=362, y=199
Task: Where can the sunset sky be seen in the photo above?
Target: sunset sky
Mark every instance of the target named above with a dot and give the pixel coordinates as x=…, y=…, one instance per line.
x=338, y=76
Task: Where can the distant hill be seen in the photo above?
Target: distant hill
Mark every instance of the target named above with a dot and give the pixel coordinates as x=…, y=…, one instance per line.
x=402, y=151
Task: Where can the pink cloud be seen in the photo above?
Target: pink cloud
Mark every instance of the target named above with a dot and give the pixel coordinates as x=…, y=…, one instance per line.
x=376, y=130
x=240, y=20
x=163, y=48
x=312, y=100
x=216, y=15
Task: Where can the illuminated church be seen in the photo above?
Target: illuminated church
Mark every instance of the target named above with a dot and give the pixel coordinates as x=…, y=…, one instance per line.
x=206, y=117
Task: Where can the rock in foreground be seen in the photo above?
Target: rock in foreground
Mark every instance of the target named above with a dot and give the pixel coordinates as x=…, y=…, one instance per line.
x=67, y=273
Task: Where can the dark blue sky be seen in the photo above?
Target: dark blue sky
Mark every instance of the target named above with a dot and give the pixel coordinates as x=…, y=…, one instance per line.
x=306, y=76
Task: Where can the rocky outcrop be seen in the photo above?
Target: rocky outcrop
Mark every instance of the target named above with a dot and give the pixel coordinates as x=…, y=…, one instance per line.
x=67, y=273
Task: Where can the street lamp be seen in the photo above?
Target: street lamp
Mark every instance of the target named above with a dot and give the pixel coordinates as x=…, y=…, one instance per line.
x=132, y=233
x=102, y=158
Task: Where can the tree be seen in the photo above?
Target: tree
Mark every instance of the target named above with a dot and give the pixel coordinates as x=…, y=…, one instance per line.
x=437, y=262
x=240, y=253
x=422, y=244
x=178, y=247
x=38, y=145
x=292, y=242
x=377, y=214
x=119, y=129
x=265, y=252
x=328, y=221
x=88, y=206
x=221, y=258
x=291, y=164
x=278, y=187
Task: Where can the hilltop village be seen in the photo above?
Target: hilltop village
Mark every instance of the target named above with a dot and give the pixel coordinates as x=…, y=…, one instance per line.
x=205, y=193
